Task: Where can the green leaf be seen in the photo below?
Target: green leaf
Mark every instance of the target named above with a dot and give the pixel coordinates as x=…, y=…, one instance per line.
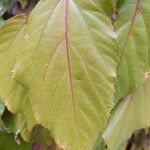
x=16, y=98
x=3, y=6
x=107, y=5
x=23, y=3
x=64, y=62
x=1, y=22
x=7, y=142
x=2, y=109
x=119, y=3
x=131, y=113
x=133, y=29
x=10, y=121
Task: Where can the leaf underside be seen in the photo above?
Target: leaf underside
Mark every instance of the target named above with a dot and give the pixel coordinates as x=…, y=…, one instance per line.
x=61, y=68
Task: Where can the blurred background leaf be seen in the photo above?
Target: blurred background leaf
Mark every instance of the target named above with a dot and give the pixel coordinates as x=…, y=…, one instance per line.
x=10, y=8
x=2, y=109
x=10, y=121
x=4, y=4
x=7, y=142
x=23, y=3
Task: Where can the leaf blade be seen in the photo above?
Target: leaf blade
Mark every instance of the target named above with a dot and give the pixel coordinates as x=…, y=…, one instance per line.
x=129, y=115
x=42, y=64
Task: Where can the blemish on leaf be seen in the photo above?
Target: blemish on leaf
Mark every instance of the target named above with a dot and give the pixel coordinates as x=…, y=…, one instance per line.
x=147, y=75
x=78, y=78
x=27, y=37
x=60, y=147
x=13, y=74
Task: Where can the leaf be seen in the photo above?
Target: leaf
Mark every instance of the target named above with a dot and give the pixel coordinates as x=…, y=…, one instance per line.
x=7, y=142
x=131, y=113
x=2, y=109
x=3, y=6
x=1, y=22
x=41, y=139
x=107, y=5
x=64, y=59
x=100, y=144
x=133, y=30
x=120, y=3
x=23, y=3
x=16, y=98
x=10, y=121
x=41, y=135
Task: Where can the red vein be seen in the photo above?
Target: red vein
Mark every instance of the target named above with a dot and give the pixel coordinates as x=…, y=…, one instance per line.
x=130, y=31
x=68, y=59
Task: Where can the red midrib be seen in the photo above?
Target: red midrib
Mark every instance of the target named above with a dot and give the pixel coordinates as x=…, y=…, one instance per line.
x=68, y=57
x=130, y=31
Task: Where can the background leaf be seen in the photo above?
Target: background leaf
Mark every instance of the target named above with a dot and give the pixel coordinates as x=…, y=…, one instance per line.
x=131, y=113
x=2, y=109
x=132, y=26
x=8, y=142
x=16, y=99
x=4, y=4
x=23, y=3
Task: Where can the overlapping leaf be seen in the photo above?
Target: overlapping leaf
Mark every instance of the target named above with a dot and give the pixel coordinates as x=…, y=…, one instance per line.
x=64, y=61
x=131, y=113
x=133, y=27
x=8, y=142
x=23, y=3
x=8, y=131
x=3, y=6
x=107, y=5
x=2, y=109
x=13, y=93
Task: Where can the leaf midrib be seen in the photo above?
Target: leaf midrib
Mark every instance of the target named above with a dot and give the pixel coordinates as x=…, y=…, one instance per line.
x=133, y=19
x=66, y=2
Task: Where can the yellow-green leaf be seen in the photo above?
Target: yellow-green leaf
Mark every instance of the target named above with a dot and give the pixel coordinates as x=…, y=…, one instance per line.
x=63, y=62
x=133, y=29
x=13, y=94
x=131, y=113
